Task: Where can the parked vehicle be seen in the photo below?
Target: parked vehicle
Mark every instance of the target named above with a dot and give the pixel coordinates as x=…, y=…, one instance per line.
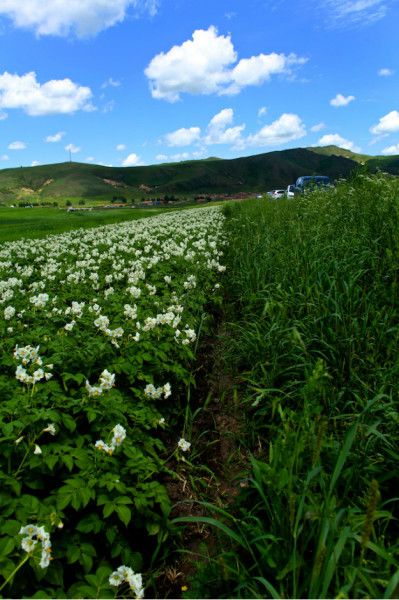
x=276, y=194
x=308, y=182
x=290, y=193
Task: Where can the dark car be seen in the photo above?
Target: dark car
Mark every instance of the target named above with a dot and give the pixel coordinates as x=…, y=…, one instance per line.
x=309, y=182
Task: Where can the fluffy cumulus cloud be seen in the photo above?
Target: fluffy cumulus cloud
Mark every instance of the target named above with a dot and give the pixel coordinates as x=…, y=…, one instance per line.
x=17, y=145
x=341, y=100
x=391, y=150
x=131, y=161
x=287, y=128
x=183, y=137
x=57, y=96
x=72, y=148
x=218, y=131
x=389, y=123
x=206, y=65
x=82, y=18
x=334, y=139
x=57, y=137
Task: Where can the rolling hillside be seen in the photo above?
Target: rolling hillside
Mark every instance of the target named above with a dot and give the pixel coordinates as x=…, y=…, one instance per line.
x=257, y=173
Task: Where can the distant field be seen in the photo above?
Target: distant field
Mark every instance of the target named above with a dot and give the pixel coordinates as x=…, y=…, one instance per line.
x=17, y=223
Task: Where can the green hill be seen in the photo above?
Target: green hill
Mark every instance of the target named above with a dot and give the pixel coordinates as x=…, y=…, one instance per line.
x=337, y=151
x=257, y=173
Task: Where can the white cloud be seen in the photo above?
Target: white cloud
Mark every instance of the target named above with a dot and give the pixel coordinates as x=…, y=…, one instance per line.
x=34, y=163
x=354, y=12
x=3, y=116
x=89, y=159
x=286, y=128
x=317, y=127
x=183, y=137
x=262, y=111
x=341, y=100
x=204, y=65
x=258, y=69
x=121, y=147
x=110, y=82
x=131, y=161
x=57, y=96
x=17, y=146
x=334, y=139
x=180, y=157
x=391, y=150
x=218, y=132
x=63, y=17
x=5, y=157
x=389, y=123
x=385, y=72
x=57, y=137
x=161, y=157
x=72, y=148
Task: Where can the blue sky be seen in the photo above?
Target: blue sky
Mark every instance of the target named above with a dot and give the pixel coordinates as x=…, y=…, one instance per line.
x=127, y=82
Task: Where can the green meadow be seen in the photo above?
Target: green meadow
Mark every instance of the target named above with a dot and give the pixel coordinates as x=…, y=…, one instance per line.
x=16, y=223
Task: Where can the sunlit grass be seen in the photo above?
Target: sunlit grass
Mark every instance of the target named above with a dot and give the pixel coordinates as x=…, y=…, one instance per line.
x=313, y=289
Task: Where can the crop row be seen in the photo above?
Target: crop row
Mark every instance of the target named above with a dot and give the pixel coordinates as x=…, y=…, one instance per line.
x=99, y=332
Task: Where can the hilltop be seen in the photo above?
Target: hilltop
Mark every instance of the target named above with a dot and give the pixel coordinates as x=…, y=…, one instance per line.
x=257, y=173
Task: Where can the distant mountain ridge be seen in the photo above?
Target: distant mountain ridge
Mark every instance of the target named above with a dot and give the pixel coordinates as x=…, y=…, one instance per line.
x=257, y=173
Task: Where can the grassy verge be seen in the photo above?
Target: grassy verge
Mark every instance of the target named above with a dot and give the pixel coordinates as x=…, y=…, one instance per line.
x=313, y=285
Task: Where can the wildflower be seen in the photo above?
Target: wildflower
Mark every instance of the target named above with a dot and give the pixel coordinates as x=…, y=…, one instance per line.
x=126, y=574
x=184, y=445
x=34, y=535
x=130, y=311
x=100, y=445
x=38, y=375
x=37, y=450
x=50, y=429
x=161, y=421
x=119, y=435
x=107, y=380
x=167, y=390
x=28, y=544
x=93, y=390
x=9, y=312
x=101, y=322
x=40, y=300
x=70, y=326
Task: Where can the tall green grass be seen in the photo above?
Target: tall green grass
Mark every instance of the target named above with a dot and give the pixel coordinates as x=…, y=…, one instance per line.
x=313, y=286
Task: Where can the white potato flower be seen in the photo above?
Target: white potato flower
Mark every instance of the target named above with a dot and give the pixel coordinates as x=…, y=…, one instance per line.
x=184, y=445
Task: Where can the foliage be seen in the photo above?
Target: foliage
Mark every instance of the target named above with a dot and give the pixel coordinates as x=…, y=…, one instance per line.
x=313, y=285
x=98, y=331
